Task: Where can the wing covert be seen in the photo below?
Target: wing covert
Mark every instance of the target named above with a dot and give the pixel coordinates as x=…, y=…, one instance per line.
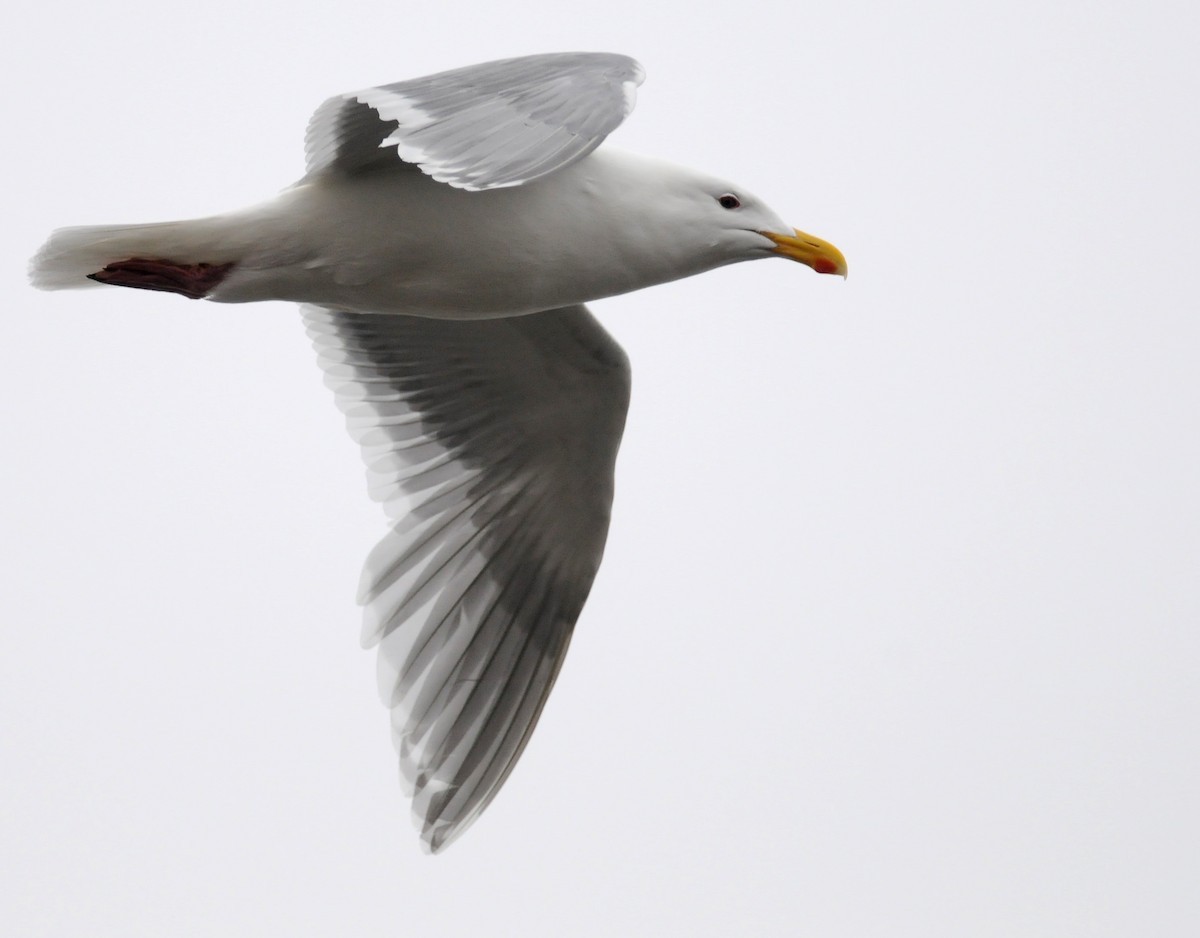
x=485, y=126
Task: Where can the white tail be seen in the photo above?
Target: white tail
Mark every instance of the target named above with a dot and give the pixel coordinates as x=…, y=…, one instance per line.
x=65, y=261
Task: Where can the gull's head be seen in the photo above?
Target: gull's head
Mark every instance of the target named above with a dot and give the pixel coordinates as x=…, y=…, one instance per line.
x=673, y=222
x=752, y=230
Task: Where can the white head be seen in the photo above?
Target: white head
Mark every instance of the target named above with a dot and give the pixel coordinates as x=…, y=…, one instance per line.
x=697, y=221
x=743, y=227
x=607, y=224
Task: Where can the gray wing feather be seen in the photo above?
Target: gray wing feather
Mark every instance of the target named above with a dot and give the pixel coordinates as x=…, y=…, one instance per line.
x=498, y=124
x=492, y=445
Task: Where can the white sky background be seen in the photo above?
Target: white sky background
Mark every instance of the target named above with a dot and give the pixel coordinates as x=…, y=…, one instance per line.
x=897, y=629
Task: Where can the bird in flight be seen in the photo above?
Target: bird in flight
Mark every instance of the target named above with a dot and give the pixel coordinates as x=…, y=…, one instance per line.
x=442, y=244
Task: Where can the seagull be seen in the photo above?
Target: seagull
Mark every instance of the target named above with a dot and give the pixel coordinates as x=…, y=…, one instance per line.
x=442, y=243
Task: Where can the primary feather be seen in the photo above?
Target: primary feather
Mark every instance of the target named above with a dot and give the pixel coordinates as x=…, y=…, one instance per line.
x=492, y=443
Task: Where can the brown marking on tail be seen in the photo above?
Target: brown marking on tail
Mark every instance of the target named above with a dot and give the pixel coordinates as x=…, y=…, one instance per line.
x=191, y=280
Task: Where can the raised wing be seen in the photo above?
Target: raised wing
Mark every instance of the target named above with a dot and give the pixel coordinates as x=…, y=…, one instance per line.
x=481, y=127
x=491, y=444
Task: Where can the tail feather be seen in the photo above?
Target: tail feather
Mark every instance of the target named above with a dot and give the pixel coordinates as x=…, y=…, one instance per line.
x=71, y=254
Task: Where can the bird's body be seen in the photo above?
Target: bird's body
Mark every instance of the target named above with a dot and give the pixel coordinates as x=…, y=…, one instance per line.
x=442, y=243
x=390, y=239
x=420, y=247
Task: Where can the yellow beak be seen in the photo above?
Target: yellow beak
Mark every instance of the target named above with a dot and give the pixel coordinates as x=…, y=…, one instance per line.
x=820, y=255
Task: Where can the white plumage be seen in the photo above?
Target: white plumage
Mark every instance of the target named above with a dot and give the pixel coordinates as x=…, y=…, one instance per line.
x=442, y=243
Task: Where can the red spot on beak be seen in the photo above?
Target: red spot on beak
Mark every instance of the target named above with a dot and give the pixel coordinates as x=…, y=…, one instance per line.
x=823, y=265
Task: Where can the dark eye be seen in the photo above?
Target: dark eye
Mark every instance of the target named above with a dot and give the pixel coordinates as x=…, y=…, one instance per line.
x=729, y=200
